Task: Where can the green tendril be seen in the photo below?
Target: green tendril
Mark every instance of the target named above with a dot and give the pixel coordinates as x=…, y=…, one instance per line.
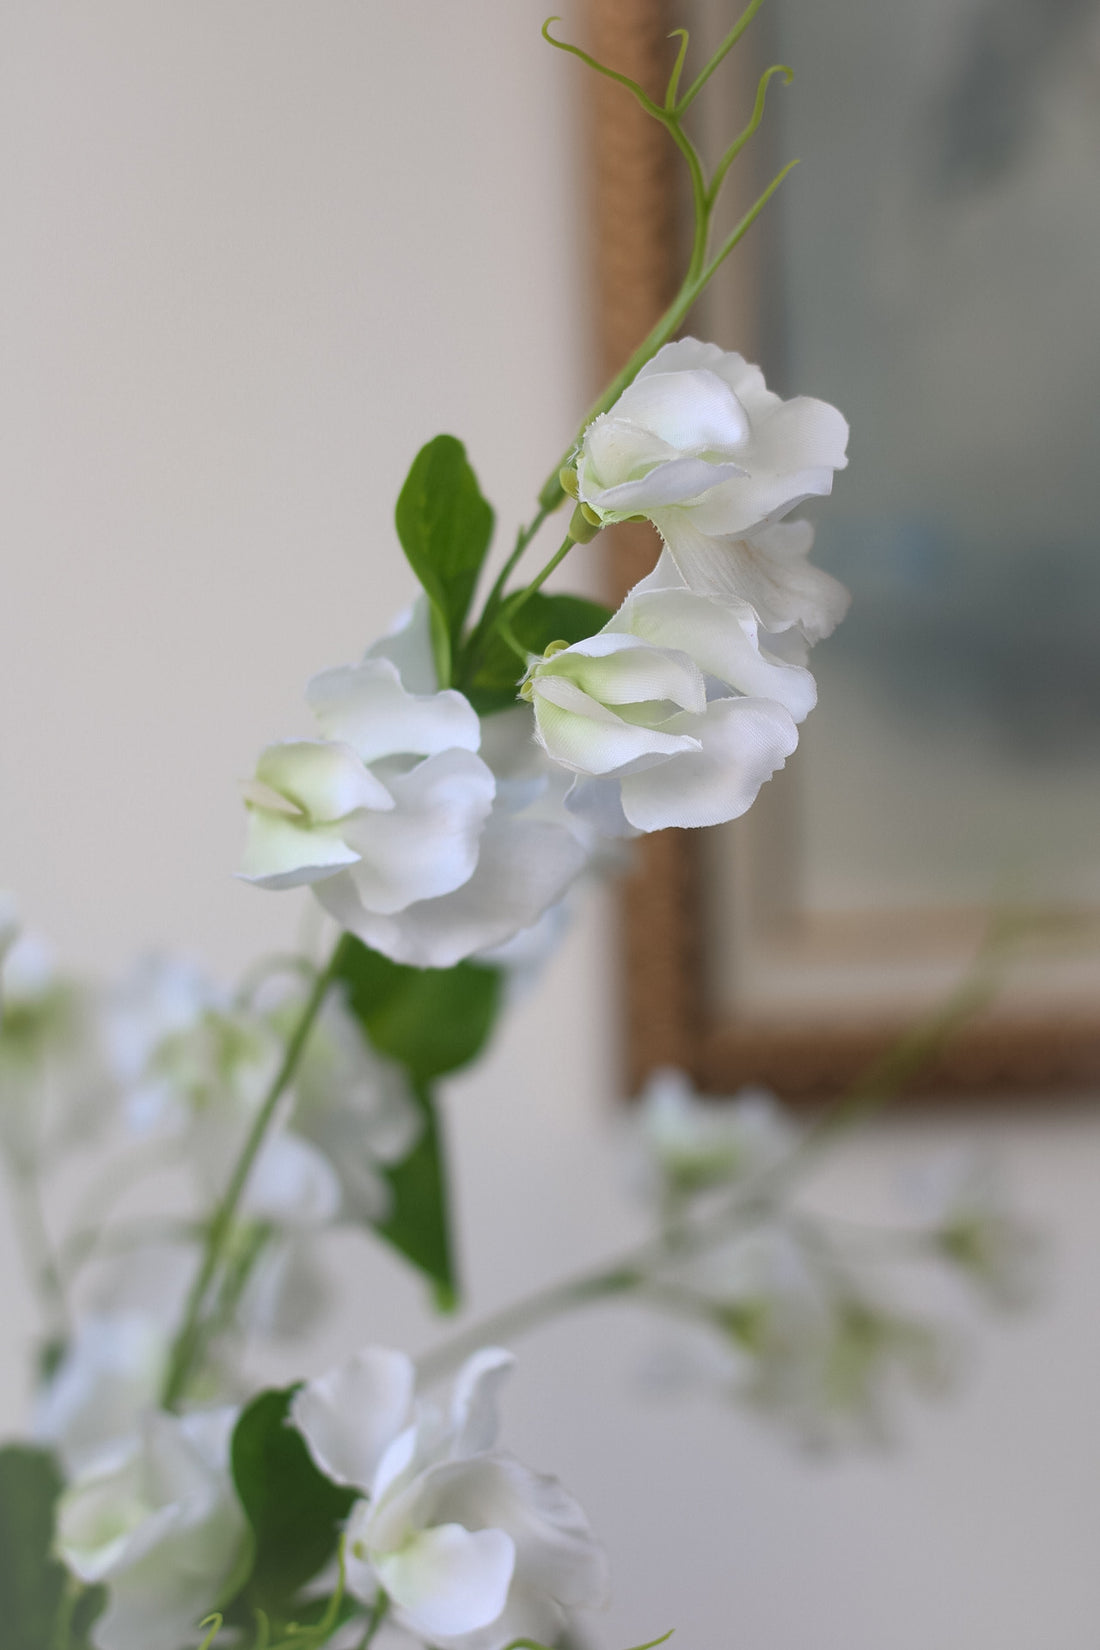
x=677, y=68
x=739, y=142
x=723, y=51
x=215, y=1623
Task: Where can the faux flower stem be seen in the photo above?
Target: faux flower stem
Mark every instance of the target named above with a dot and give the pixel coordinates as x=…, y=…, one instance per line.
x=629, y=1274
x=188, y=1345
x=34, y=1239
x=479, y=636
x=513, y=605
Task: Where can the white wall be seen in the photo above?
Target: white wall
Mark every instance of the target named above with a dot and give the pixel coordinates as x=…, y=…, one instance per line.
x=255, y=254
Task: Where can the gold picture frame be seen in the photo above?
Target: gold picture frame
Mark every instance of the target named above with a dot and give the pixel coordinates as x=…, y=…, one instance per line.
x=724, y=975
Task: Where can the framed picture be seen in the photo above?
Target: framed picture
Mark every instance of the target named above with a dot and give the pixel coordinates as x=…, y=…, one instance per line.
x=932, y=268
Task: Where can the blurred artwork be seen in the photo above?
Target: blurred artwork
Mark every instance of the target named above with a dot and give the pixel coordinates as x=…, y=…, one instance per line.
x=938, y=262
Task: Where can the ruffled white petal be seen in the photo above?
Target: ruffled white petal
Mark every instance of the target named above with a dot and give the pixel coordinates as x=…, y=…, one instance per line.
x=283, y=853
x=428, y=844
x=743, y=742
x=350, y=1416
x=724, y=642
x=324, y=780
x=589, y=738
x=367, y=708
x=448, y=1580
x=523, y=867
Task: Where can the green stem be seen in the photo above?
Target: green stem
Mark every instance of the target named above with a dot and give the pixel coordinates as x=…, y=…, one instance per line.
x=513, y=606
x=188, y=1345
x=530, y=1313
x=723, y=50
x=475, y=646
x=34, y=1241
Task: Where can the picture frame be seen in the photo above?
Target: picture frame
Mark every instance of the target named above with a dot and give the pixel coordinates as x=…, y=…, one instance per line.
x=728, y=972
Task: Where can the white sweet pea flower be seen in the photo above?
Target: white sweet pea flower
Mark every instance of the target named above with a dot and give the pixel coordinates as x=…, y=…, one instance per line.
x=196, y=1066
x=803, y=1344
x=471, y=1547
x=963, y=1199
x=110, y=1374
x=395, y=820
x=701, y=447
x=393, y=795
x=159, y=1523
x=696, y=1144
x=54, y=1091
x=673, y=714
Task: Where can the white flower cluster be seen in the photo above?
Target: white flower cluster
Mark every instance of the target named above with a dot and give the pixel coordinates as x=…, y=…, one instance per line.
x=191, y=1068
x=404, y=815
x=470, y=1548
x=413, y=834
x=792, y=1327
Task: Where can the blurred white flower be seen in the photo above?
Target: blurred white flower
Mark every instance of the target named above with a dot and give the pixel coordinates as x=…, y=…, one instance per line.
x=803, y=1344
x=965, y=1203
x=472, y=1548
x=55, y=1092
x=396, y=821
x=700, y=446
x=673, y=714
x=111, y=1372
x=696, y=1144
x=350, y=1104
x=158, y=1521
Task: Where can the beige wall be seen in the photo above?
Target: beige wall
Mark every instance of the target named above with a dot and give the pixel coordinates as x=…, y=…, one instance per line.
x=256, y=252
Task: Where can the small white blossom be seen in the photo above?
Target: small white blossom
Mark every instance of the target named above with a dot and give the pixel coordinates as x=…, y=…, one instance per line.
x=159, y=1523
x=471, y=1547
x=673, y=714
x=973, y=1226
x=699, y=445
x=54, y=1089
x=803, y=1344
x=397, y=822
x=698, y=1144
x=111, y=1372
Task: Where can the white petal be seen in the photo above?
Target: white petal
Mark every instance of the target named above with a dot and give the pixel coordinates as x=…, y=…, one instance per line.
x=408, y=643
x=782, y=588
x=693, y=410
x=449, y=1580
x=617, y=668
x=324, y=779
x=473, y=1402
x=588, y=738
x=366, y=706
x=689, y=355
x=523, y=867
x=678, y=481
x=292, y=1184
x=428, y=845
x=743, y=741
x=555, y=1550
x=723, y=641
x=281, y=853
x=350, y=1416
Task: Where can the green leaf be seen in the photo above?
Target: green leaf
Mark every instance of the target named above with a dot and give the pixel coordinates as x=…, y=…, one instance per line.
x=541, y=620
x=445, y=526
x=419, y=1222
x=431, y=1020
x=42, y=1605
x=295, y=1512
